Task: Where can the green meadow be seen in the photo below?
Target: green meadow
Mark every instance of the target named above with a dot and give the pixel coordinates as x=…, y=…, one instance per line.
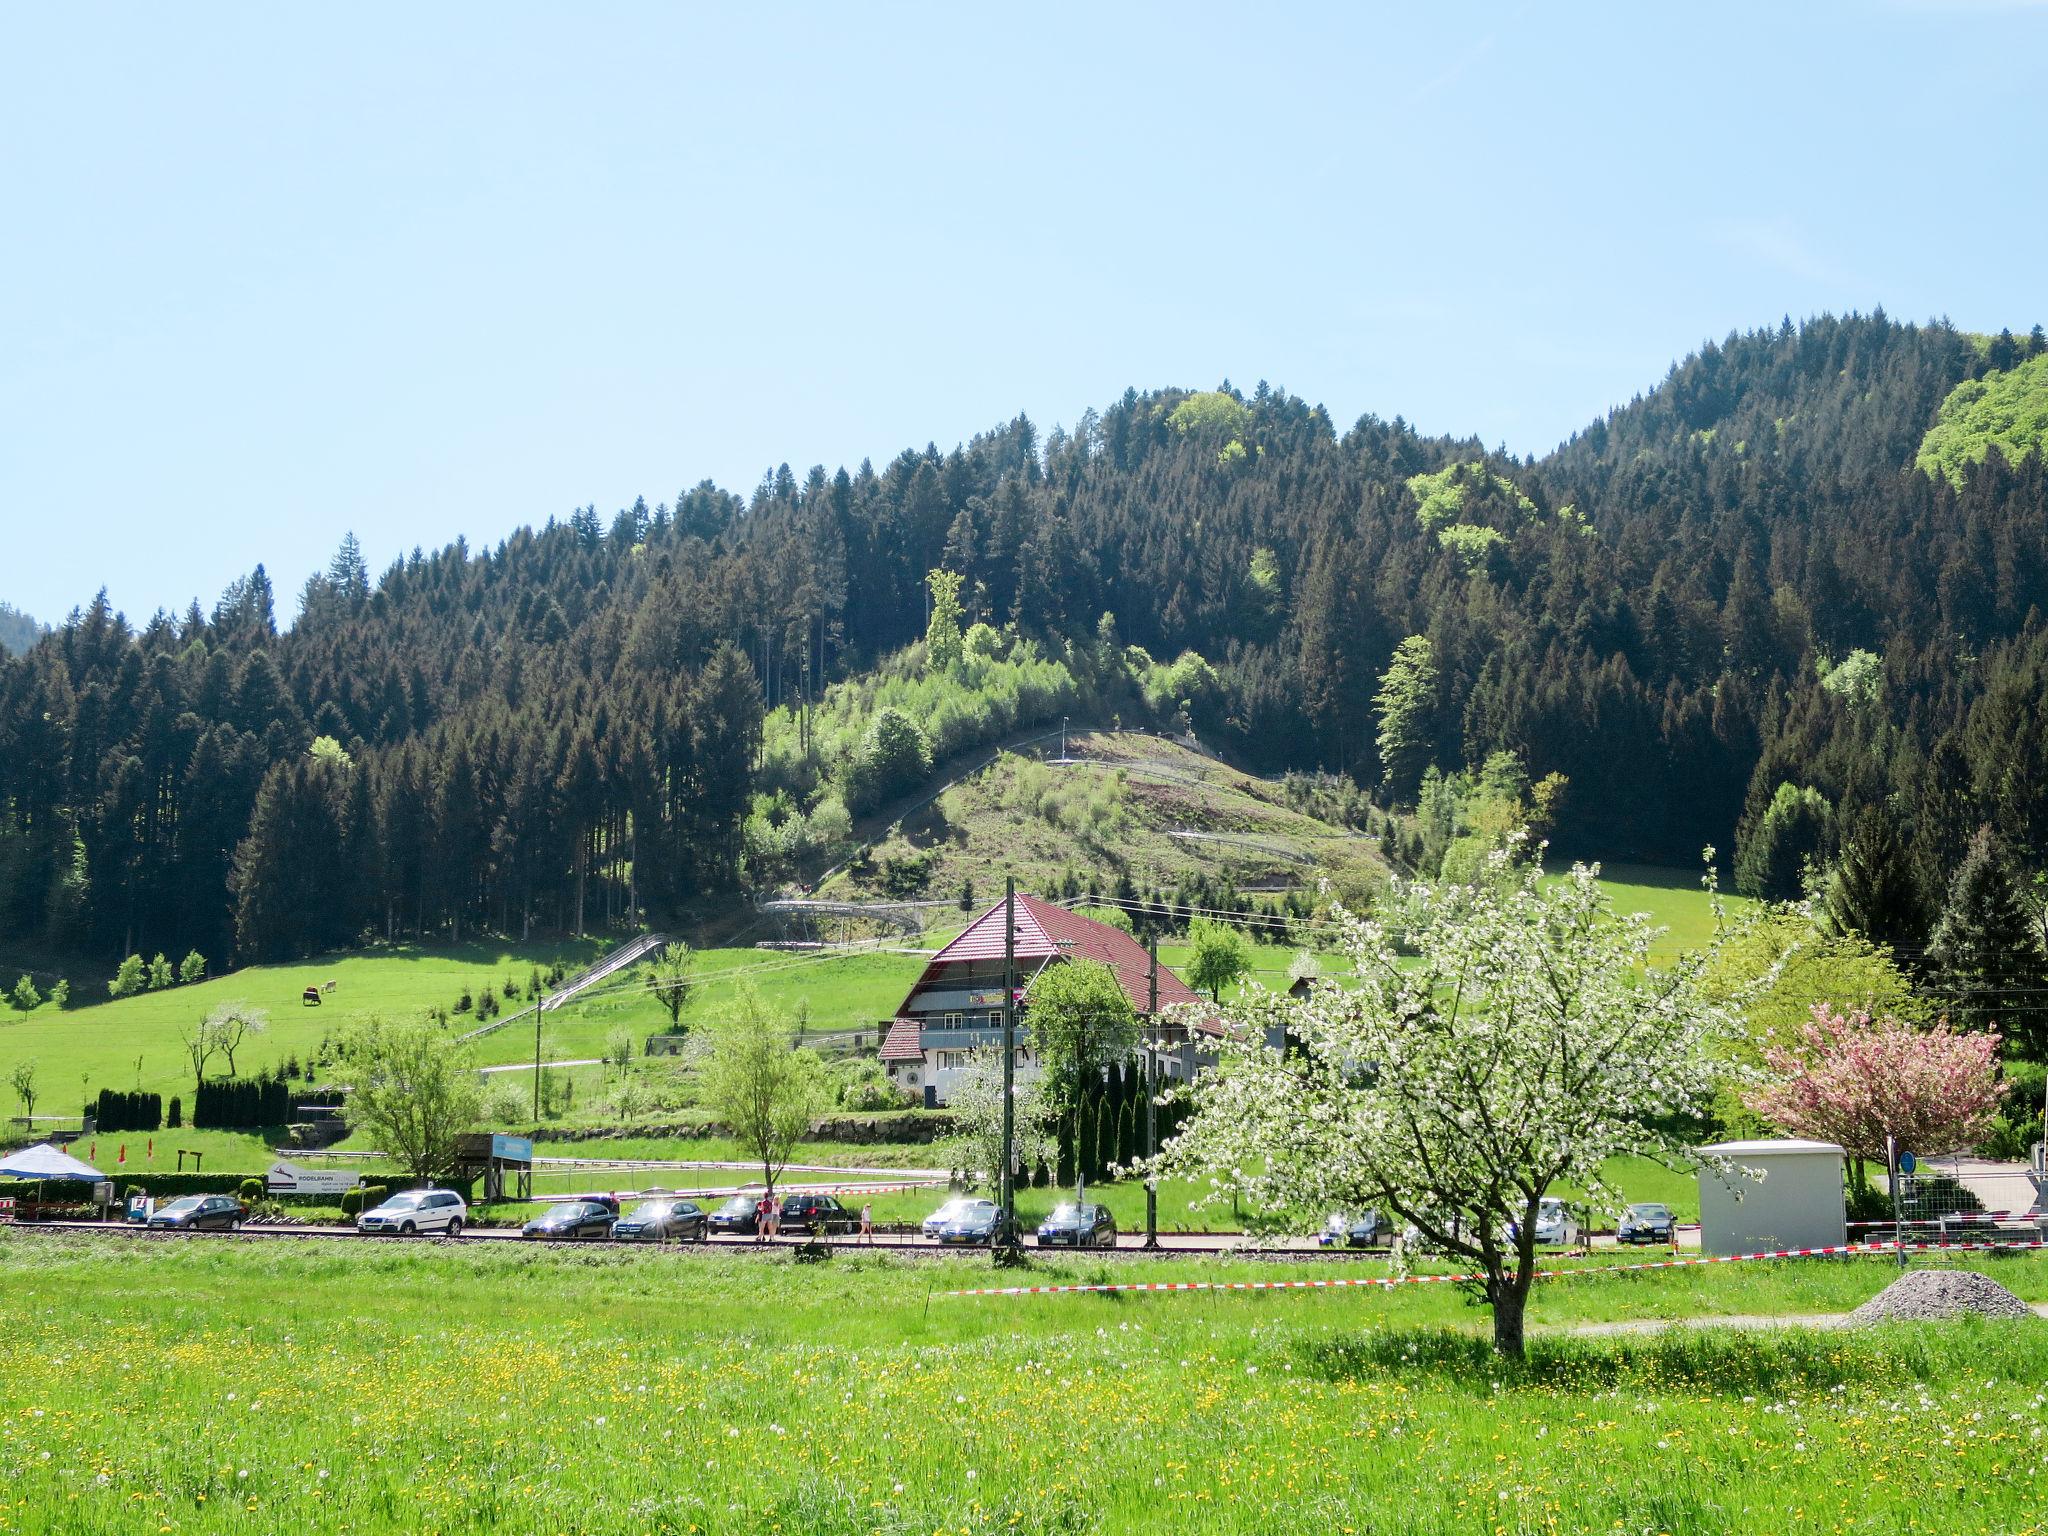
x=255, y=1387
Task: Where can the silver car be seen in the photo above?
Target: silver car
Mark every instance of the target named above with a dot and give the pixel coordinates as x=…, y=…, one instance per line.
x=417, y=1210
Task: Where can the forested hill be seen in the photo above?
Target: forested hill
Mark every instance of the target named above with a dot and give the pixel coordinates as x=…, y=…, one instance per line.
x=1742, y=580
x=17, y=630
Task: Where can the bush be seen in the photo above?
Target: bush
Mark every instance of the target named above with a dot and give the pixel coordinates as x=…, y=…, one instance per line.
x=129, y=979
x=160, y=975
x=60, y=994
x=905, y=875
x=464, y=1003
x=24, y=996
x=863, y=1086
x=363, y=1197
x=487, y=1004
x=194, y=968
x=175, y=1119
x=251, y=1190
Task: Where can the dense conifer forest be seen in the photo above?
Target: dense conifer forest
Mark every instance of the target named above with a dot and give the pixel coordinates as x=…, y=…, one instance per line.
x=1790, y=602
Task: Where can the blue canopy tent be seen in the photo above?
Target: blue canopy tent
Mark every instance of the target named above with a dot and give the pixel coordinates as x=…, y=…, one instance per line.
x=44, y=1163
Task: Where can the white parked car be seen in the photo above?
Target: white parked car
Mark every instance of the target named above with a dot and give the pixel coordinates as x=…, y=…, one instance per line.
x=1556, y=1226
x=417, y=1210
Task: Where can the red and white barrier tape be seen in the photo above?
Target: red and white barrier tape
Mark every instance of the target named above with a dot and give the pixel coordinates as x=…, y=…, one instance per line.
x=1959, y=1217
x=1388, y=1281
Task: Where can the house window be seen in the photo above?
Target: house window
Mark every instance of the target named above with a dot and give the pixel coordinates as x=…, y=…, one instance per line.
x=995, y=1019
x=955, y=1020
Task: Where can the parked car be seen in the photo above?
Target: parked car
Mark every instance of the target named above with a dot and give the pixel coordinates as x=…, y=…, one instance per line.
x=822, y=1214
x=1647, y=1222
x=948, y=1212
x=570, y=1219
x=974, y=1222
x=609, y=1202
x=1555, y=1224
x=1078, y=1226
x=200, y=1213
x=1360, y=1231
x=417, y=1210
x=739, y=1215
x=1411, y=1236
x=664, y=1221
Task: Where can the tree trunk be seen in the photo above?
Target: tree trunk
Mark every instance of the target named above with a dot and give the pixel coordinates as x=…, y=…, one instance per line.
x=1510, y=1312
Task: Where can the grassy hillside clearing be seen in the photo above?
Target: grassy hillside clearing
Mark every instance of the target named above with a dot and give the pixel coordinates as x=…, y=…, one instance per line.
x=134, y=1042
x=1124, y=803
x=241, y=1388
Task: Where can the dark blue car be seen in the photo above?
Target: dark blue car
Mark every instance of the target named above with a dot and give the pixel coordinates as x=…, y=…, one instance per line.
x=1078, y=1226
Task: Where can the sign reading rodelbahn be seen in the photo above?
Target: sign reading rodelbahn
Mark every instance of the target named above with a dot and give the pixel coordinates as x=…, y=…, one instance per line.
x=290, y=1179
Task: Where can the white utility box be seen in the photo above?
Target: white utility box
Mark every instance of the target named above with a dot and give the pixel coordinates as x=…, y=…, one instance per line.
x=1797, y=1204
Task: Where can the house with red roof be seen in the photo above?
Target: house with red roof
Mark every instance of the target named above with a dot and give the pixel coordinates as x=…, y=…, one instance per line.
x=956, y=1007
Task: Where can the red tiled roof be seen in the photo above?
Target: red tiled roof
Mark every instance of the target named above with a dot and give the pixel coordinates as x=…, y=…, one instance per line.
x=1045, y=931
x=901, y=1043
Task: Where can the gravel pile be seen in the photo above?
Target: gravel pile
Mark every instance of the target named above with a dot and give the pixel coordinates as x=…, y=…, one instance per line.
x=1927, y=1294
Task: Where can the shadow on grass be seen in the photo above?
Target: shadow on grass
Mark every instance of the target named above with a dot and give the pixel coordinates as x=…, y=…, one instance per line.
x=1725, y=1362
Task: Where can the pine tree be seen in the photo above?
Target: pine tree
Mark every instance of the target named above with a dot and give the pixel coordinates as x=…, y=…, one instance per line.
x=1985, y=958
x=1406, y=704
x=1873, y=890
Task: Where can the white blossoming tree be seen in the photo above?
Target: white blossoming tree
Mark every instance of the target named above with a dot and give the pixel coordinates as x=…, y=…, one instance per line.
x=976, y=1101
x=1521, y=1041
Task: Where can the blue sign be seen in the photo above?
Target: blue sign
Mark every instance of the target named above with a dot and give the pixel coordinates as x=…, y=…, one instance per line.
x=1908, y=1162
x=512, y=1149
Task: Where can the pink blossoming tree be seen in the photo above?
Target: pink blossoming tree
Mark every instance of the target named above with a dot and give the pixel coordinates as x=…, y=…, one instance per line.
x=1853, y=1080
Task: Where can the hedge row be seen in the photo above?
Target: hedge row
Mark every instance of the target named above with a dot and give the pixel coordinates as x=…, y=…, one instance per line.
x=237, y=1103
x=116, y=1111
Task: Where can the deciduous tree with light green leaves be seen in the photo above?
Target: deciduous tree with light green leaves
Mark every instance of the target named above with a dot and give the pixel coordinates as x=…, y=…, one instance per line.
x=1221, y=955
x=668, y=978
x=412, y=1093
x=942, y=629
x=754, y=1079
x=1080, y=1020
x=1526, y=1042
x=23, y=1081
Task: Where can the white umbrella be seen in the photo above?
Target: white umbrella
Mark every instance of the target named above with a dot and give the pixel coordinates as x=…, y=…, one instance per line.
x=44, y=1161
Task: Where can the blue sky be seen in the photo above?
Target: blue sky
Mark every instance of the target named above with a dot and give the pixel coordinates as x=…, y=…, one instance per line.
x=271, y=275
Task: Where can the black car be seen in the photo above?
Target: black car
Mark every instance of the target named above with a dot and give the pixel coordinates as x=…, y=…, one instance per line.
x=821, y=1214
x=200, y=1213
x=1078, y=1226
x=739, y=1216
x=1361, y=1231
x=1647, y=1223
x=666, y=1220
x=971, y=1222
x=571, y=1219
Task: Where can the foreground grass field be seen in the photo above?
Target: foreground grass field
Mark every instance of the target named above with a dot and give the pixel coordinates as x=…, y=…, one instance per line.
x=200, y=1386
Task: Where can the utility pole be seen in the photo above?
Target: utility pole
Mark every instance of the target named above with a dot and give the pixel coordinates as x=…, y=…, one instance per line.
x=1006, y=1234
x=1152, y=1091
x=536, y=1061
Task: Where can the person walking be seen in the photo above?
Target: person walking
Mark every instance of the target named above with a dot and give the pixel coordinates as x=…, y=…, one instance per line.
x=867, y=1222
